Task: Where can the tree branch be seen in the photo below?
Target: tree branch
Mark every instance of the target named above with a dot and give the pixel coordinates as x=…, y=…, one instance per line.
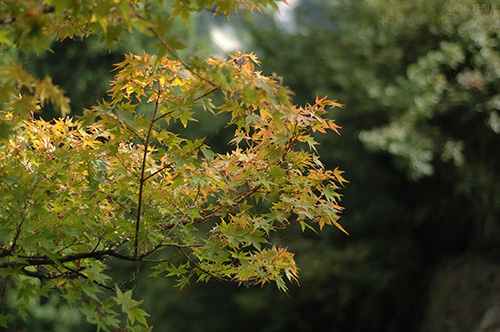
x=12, y=19
x=143, y=180
x=45, y=260
x=41, y=275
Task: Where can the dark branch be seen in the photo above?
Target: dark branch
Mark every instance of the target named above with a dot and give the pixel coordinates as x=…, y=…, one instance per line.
x=41, y=275
x=12, y=19
x=143, y=179
x=45, y=260
x=158, y=171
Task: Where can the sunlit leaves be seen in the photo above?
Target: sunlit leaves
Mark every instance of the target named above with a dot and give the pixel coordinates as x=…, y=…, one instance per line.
x=4, y=39
x=127, y=179
x=121, y=158
x=39, y=92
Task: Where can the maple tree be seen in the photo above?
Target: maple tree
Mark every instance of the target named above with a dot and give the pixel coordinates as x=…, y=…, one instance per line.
x=117, y=183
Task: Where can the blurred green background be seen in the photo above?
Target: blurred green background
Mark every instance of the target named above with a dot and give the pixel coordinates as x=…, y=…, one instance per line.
x=420, y=146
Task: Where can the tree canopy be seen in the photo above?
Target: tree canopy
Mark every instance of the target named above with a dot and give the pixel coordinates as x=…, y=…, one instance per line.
x=118, y=182
x=420, y=141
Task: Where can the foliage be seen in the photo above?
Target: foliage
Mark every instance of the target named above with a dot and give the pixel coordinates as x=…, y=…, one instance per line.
x=424, y=80
x=385, y=59
x=438, y=86
x=115, y=183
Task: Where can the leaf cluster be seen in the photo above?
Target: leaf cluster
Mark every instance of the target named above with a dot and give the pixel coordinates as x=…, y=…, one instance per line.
x=117, y=183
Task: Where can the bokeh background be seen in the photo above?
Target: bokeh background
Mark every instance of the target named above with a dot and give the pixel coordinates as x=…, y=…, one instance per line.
x=420, y=146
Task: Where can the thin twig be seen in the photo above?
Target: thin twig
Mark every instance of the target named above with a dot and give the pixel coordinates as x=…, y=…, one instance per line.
x=143, y=179
x=234, y=280
x=169, y=165
x=206, y=94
